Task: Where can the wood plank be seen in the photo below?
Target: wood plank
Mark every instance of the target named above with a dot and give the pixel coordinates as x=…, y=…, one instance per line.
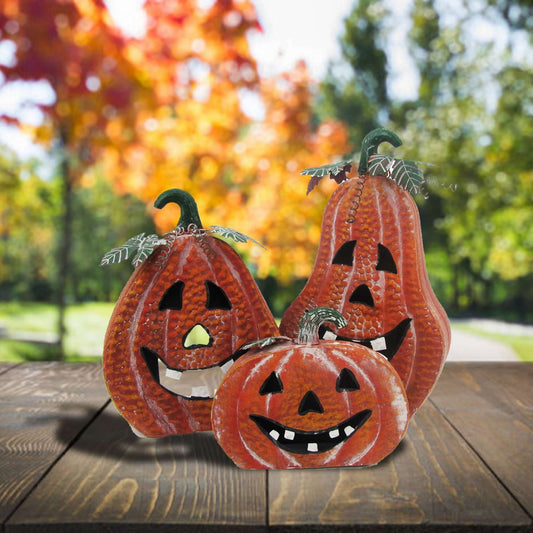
x=433, y=477
x=111, y=476
x=43, y=407
x=6, y=367
x=491, y=405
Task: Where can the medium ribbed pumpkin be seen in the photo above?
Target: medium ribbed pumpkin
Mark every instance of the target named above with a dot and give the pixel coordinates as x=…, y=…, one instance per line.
x=370, y=266
x=310, y=403
x=177, y=326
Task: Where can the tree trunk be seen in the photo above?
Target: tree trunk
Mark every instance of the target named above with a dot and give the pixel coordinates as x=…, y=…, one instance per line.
x=65, y=243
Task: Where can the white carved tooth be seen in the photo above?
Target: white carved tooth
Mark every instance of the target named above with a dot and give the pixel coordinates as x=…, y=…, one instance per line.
x=173, y=374
x=312, y=447
x=348, y=430
x=334, y=433
x=378, y=344
x=274, y=434
x=329, y=336
x=227, y=365
x=289, y=435
x=200, y=391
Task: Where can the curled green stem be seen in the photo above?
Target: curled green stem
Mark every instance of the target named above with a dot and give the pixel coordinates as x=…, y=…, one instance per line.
x=313, y=319
x=370, y=145
x=189, y=209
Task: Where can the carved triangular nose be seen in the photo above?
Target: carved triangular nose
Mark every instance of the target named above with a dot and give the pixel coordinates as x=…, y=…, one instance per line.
x=362, y=295
x=310, y=403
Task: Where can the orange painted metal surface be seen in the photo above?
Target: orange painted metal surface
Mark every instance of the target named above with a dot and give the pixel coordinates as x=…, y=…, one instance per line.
x=370, y=266
x=175, y=331
x=311, y=405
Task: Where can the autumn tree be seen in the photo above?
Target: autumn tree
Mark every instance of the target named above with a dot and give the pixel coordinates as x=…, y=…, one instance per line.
x=243, y=173
x=271, y=156
x=28, y=206
x=472, y=120
x=356, y=90
x=199, y=62
x=74, y=47
x=475, y=118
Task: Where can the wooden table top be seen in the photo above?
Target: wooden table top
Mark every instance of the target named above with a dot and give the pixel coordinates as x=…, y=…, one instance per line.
x=69, y=462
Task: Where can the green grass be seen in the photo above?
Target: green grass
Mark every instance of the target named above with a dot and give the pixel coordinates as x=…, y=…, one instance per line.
x=15, y=351
x=12, y=351
x=87, y=323
x=86, y=326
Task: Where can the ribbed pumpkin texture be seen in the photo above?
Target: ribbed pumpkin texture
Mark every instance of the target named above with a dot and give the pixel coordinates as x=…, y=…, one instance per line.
x=370, y=266
x=298, y=404
x=175, y=329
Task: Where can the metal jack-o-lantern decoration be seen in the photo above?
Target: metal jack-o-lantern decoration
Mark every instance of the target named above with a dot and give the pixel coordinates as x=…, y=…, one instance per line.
x=310, y=403
x=370, y=266
x=178, y=324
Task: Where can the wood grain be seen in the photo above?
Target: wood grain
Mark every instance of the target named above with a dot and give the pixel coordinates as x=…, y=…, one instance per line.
x=67, y=465
x=491, y=405
x=110, y=475
x=433, y=477
x=6, y=367
x=43, y=407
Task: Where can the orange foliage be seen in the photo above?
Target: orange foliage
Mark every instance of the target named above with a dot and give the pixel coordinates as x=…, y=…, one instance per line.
x=198, y=61
x=243, y=175
x=165, y=111
x=278, y=212
x=74, y=46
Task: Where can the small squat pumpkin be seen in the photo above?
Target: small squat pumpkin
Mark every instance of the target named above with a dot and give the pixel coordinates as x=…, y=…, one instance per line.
x=370, y=266
x=177, y=327
x=310, y=403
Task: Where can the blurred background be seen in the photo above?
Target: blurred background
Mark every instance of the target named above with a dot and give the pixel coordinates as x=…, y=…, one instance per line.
x=104, y=105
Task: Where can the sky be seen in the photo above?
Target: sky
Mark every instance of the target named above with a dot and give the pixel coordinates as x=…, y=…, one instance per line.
x=292, y=30
x=295, y=30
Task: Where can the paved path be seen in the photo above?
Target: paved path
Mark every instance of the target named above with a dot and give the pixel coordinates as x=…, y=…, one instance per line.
x=469, y=347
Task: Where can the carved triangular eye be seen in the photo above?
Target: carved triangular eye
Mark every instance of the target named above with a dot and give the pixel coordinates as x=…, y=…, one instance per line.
x=172, y=299
x=347, y=381
x=385, y=260
x=344, y=255
x=271, y=385
x=216, y=297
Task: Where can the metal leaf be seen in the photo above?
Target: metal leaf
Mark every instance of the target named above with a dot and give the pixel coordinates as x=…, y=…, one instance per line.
x=139, y=245
x=333, y=168
x=380, y=165
x=235, y=235
x=336, y=171
x=405, y=173
x=123, y=252
x=408, y=175
x=146, y=247
x=262, y=343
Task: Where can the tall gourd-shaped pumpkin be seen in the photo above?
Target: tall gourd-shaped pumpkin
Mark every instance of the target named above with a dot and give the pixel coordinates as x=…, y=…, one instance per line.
x=370, y=266
x=177, y=327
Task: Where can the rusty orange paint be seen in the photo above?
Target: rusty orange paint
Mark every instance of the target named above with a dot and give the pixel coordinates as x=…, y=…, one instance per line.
x=380, y=219
x=310, y=405
x=198, y=282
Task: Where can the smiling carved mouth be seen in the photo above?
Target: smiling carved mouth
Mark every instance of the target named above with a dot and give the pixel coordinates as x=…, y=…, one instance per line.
x=195, y=384
x=303, y=442
x=387, y=344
